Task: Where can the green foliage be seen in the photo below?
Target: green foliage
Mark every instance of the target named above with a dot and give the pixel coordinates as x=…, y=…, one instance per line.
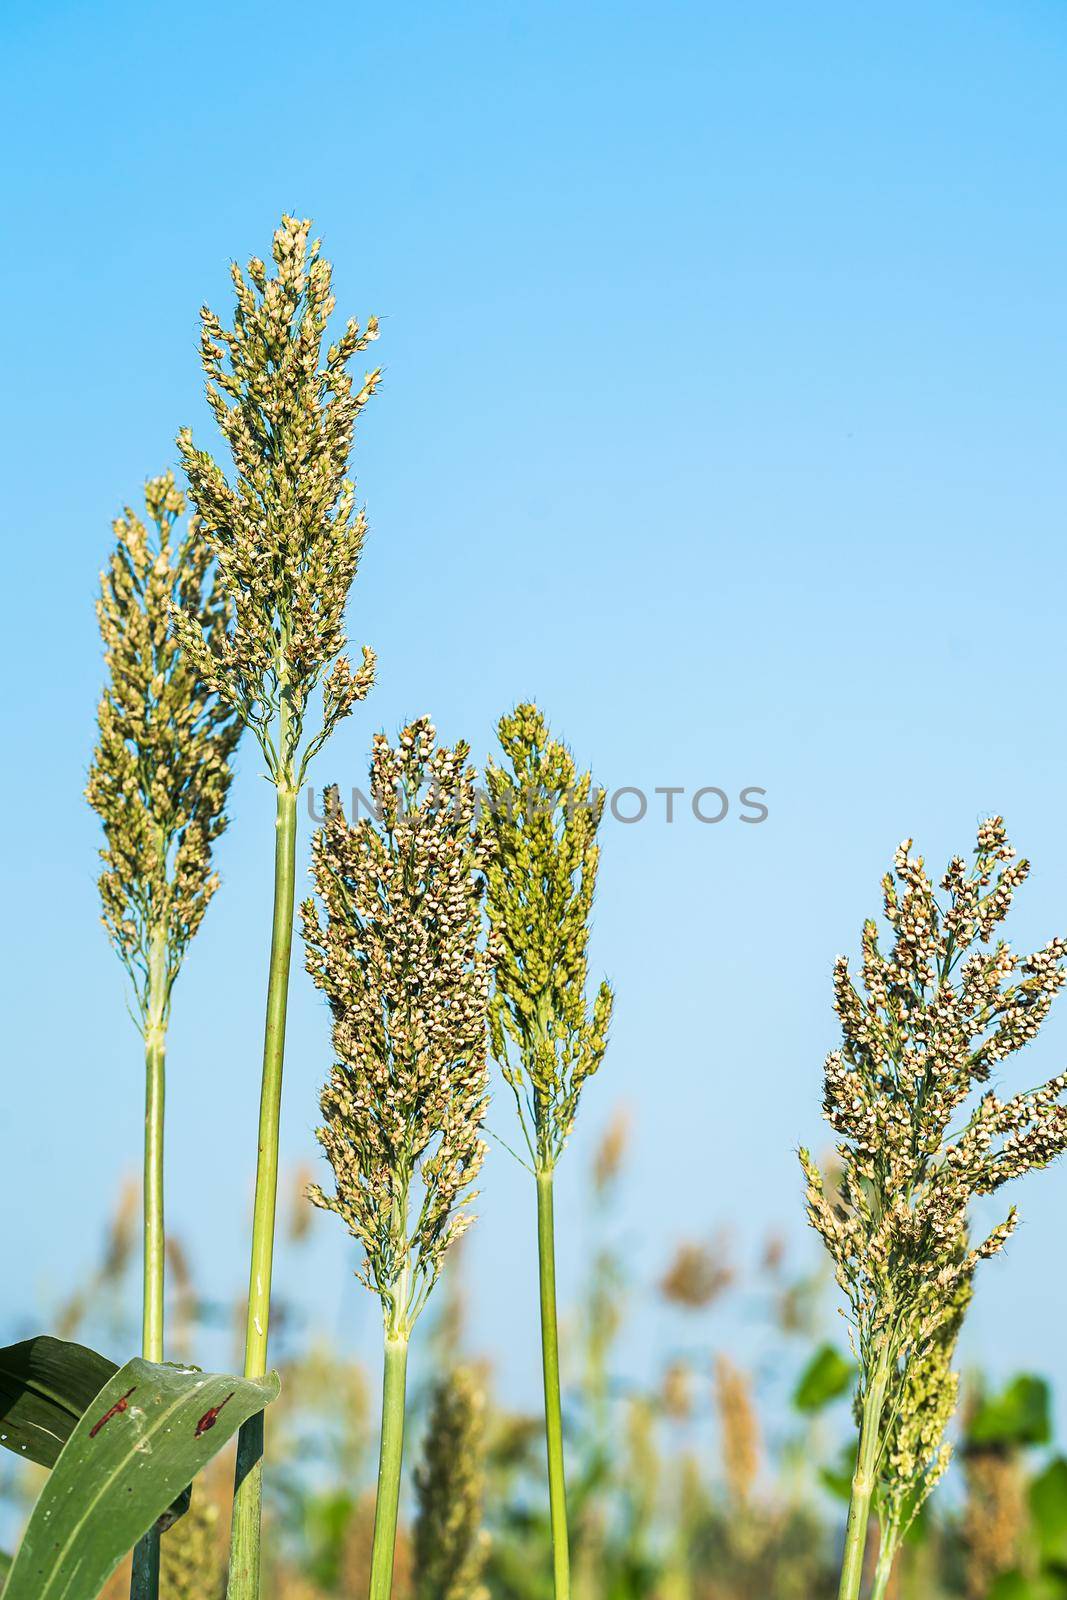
x=1048, y=1509
x=45, y=1386
x=450, y=1545
x=1014, y=1586
x=325, y=1522
x=144, y=1438
x=642, y=1527
x=836, y=1478
x=1019, y=1415
x=827, y=1376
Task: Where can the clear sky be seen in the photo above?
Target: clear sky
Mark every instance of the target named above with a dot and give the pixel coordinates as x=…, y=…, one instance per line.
x=723, y=413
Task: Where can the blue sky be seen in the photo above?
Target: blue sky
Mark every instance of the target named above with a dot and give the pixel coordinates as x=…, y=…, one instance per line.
x=723, y=413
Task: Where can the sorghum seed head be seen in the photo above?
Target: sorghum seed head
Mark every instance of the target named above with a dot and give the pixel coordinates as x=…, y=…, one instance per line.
x=396, y=950
x=450, y=1545
x=542, y=821
x=160, y=772
x=933, y=1017
x=286, y=532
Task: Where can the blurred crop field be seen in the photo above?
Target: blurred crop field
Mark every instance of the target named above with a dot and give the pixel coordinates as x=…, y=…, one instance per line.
x=694, y=1488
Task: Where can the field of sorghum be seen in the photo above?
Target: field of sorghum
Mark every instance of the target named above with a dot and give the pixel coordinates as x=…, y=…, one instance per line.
x=693, y=1488
x=450, y=941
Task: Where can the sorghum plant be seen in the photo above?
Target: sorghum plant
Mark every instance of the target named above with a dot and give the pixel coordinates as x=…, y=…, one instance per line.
x=287, y=537
x=450, y=1545
x=397, y=955
x=543, y=820
x=159, y=779
x=940, y=1011
x=739, y=1431
x=996, y=1513
x=914, y=1450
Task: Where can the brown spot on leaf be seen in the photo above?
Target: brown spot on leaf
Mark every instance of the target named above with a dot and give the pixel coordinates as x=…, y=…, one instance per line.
x=119, y=1406
x=209, y=1419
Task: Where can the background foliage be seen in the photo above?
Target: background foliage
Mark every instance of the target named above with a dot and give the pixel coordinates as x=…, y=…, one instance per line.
x=723, y=1479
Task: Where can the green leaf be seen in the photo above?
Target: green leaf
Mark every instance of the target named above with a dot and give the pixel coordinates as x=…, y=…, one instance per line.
x=326, y=1521
x=837, y=1479
x=1020, y=1415
x=1013, y=1586
x=45, y=1385
x=145, y=1437
x=1048, y=1507
x=827, y=1376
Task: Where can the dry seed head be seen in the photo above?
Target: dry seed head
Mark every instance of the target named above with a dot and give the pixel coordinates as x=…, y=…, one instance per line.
x=676, y=1390
x=160, y=772
x=542, y=820
x=395, y=948
x=286, y=532
x=739, y=1424
x=996, y=1517
x=697, y=1274
x=300, y=1214
x=610, y=1153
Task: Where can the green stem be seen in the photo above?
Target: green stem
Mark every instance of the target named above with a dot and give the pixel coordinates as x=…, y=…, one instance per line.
x=859, y=1509
x=144, y=1584
x=557, y=1486
x=155, y=1095
x=243, y=1582
x=391, y=1453
x=144, y=1581
x=884, y=1570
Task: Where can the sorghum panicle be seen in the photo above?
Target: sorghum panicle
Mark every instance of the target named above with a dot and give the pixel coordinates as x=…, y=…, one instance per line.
x=450, y=1545
x=739, y=1430
x=160, y=772
x=996, y=1514
x=916, y=1452
x=940, y=1010
x=698, y=1274
x=543, y=818
x=397, y=954
x=286, y=534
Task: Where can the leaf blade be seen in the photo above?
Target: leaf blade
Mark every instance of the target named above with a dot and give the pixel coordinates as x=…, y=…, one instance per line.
x=45, y=1386
x=1020, y=1414
x=146, y=1436
x=827, y=1376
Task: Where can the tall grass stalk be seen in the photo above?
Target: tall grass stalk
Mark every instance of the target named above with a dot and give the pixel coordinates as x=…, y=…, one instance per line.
x=543, y=820
x=159, y=780
x=155, y=1239
x=883, y=1571
x=557, y=1480
x=144, y=1580
x=396, y=952
x=864, y=1483
x=940, y=1010
x=287, y=538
